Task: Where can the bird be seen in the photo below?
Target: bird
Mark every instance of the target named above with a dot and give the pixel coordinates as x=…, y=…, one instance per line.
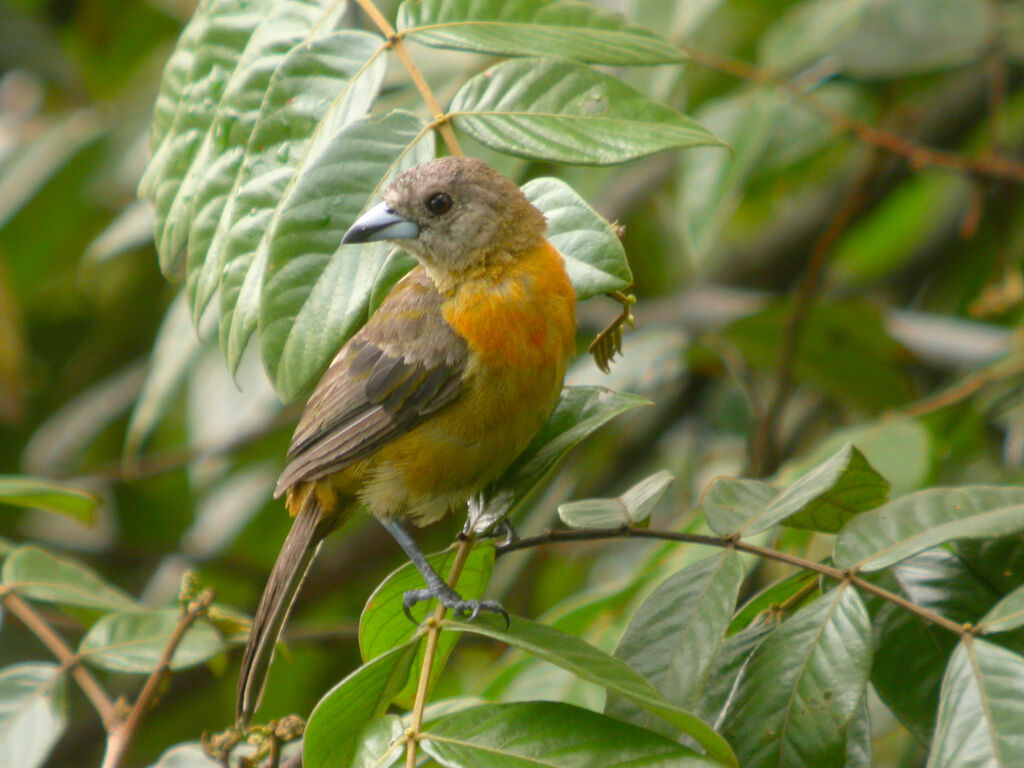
x=437, y=394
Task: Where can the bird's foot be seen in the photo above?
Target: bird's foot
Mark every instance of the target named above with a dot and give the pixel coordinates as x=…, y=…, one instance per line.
x=453, y=601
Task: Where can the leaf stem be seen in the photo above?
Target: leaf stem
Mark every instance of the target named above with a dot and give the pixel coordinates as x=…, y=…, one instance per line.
x=440, y=117
x=433, y=635
x=629, y=532
x=38, y=626
x=119, y=738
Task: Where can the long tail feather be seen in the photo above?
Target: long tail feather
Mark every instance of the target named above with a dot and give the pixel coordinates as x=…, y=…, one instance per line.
x=311, y=525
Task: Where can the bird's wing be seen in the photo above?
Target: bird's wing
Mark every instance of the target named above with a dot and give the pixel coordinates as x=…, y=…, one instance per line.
x=404, y=365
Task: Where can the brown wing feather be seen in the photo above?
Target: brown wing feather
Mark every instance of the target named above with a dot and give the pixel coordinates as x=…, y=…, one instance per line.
x=404, y=364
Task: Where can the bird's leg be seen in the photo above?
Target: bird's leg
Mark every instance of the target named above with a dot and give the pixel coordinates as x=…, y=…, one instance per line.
x=436, y=586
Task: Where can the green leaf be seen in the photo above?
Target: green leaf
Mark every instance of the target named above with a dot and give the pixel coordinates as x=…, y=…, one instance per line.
x=634, y=506
x=572, y=30
x=859, y=738
x=579, y=412
x=37, y=493
x=334, y=79
x=733, y=657
x=33, y=712
x=218, y=47
x=376, y=744
x=551, y=109
x=676, y=633
x=336, y=722
x=1005, y=615
x=383, y=624
x=981, y=709
x=311, y=303
x=547, y=733
x=134, y=641
x=911, y=653
x=219, y=151
x=594, y=256
x=588, y=663
x=729, y=504
x=922, y=520
x=769, y=598
x=36, y=574
x=319, y=91
x=802, y=686
x=826, y=497
x=188, y=755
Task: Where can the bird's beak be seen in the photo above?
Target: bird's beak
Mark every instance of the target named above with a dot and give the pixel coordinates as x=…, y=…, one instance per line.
x=381, y=223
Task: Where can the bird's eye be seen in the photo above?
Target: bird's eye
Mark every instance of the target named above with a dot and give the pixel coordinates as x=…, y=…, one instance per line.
x=439, y=203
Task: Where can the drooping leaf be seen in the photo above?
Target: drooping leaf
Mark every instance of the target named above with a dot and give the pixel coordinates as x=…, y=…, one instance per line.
x=1005, y=615
x=383, y=624
x=545, y=733
x=677, y=631
x=633, y=506
x=311, y=302
x=803, y=685
x=579, y=412
x=338, y=718
x=589, y=663
x=981, y=709
x=134, y=641
x=922, y=520
x=594, y=256
x=36, y=574
x=37, y=493
x=859, y=738
x=334, y=79
x=572, y=30
x=557, y=110
x=33, y=712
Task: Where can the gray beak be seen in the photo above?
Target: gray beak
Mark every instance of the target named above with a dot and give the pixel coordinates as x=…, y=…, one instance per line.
x=381, y=223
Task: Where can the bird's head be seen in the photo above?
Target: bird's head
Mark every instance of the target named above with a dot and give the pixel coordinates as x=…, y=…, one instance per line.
x=453, y=214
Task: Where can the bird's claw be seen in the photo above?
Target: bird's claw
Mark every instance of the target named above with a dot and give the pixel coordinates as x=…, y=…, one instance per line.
x=454, y=602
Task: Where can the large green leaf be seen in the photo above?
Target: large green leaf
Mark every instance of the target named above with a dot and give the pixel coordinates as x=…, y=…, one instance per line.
x=594, y=256
x=981, y=709
x=589, y=663
x=922, y=520
x=910, y=652
x=134, y=641
x=311, y=302
x=383, y=624
x=284, y=25
x=677, y=631
x=572, y=30
x=33, y=712
x=729, y=503
x=37, y=493
x=579, y=412
x=218, y=47
x=802, y=686
x=547, y=734
x=36, y=574
x=552, y=109
x=333, y=79
x=336, y=722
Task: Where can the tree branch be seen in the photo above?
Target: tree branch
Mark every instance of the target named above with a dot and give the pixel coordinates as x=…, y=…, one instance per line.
x=629, y=532
x=119, y=738
x=38, y=626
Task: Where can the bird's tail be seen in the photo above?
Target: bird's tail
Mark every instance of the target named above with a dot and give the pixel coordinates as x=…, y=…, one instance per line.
x=312, y=524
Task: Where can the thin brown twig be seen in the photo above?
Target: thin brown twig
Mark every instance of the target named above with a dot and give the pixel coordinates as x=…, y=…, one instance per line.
x=966, y=387
x=38, y=626
x=595, y=534
x=988, y=166
x=395, y=41
x=119, y=738
x=412, y=733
